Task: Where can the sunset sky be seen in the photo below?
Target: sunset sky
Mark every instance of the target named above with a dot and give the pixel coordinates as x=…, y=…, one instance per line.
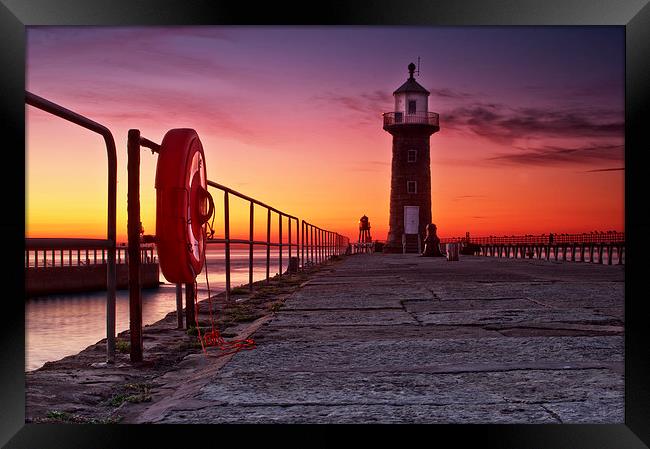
x=531, y=122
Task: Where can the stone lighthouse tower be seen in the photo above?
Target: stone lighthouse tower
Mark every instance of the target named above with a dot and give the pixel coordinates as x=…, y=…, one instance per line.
x=411, y=124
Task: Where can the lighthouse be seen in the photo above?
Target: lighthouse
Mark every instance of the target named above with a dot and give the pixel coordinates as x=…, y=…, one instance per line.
x=411, y=125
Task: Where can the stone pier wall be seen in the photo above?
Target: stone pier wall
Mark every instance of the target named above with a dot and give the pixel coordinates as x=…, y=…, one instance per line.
x=51, y=280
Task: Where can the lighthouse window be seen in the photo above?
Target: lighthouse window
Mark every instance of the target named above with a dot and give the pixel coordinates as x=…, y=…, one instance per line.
x=412, y=186
x=411, y=106
x=412, y=155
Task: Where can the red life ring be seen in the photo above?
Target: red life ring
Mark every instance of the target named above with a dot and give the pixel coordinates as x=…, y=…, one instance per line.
x=183, y=205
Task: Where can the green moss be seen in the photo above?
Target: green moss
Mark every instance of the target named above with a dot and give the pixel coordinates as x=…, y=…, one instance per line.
x=275, y=307
x=243, y=315
x=241, y=290
x=65, y=417
x=135, y=393
x=122, y=346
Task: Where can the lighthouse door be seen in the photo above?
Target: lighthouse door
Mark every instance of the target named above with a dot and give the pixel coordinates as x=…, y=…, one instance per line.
x=411, y=219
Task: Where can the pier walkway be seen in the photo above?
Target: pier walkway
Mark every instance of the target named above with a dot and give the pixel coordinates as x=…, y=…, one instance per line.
x=400, y=338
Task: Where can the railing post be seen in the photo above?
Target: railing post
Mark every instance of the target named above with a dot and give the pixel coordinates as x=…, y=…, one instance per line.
x=268, y=244
x=179, y=305
x=226, y=215
x=600, y=253
x=250, y=248
x=609, y=254
x=302, y=243
x=280, y=245
x=133, y=227
x=289, y=238
x=190, y=318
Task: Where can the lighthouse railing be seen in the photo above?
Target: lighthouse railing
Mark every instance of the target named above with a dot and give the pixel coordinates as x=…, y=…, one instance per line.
x=419, y=118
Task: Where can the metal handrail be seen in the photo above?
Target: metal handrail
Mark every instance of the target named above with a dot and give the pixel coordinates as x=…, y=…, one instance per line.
x=227, y=191
x=418, y=118
x=319, y=245
x=591, y=237
x=111, y=220
x=58, y=252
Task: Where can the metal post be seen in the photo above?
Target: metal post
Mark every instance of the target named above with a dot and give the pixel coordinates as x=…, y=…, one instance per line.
x=179, y=305
x=609, y=254
x=226, y=224
x=190, y=318
x=289, y=237
x=280, y=242
x=302, y=246
x=268, y=244
x=310, y=247
x=250, y=248
x=133, y=227
x=55, y=109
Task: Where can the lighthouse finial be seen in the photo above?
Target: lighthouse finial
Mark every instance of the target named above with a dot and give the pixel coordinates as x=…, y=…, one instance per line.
x=411, y=70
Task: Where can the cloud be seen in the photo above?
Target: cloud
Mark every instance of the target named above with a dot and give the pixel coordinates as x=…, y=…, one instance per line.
x=504, y=124
x=469, y=197
x=366, y=106
x=597, y=90
x=452, y=94
x=368, y=166
x=605, y=169
x=555, y=156
x=150, y=106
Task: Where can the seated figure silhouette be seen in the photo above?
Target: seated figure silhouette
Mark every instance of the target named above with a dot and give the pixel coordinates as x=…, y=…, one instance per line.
x=431, y=243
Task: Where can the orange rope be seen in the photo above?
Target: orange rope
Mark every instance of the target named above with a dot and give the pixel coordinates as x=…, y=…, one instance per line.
x=214, y=338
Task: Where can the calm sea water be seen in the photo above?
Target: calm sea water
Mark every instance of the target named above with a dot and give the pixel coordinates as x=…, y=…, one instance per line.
x=60, y=325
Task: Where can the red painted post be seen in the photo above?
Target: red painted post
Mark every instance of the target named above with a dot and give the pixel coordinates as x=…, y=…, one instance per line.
x=133, y=229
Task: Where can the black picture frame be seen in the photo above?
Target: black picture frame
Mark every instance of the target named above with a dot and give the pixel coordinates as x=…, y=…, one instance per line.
x=634, y=15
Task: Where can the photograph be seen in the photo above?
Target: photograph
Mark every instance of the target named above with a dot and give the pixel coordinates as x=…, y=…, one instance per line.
x=325, y=224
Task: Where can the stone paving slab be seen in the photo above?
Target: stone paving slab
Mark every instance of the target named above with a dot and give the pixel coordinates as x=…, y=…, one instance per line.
x=366, y=413
x=343, y=301
x=379, y=317
x=471, y=304
x=259, y=387
x=510, y=317
x=367, y=333
x=417, y=355
x=344, y=292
